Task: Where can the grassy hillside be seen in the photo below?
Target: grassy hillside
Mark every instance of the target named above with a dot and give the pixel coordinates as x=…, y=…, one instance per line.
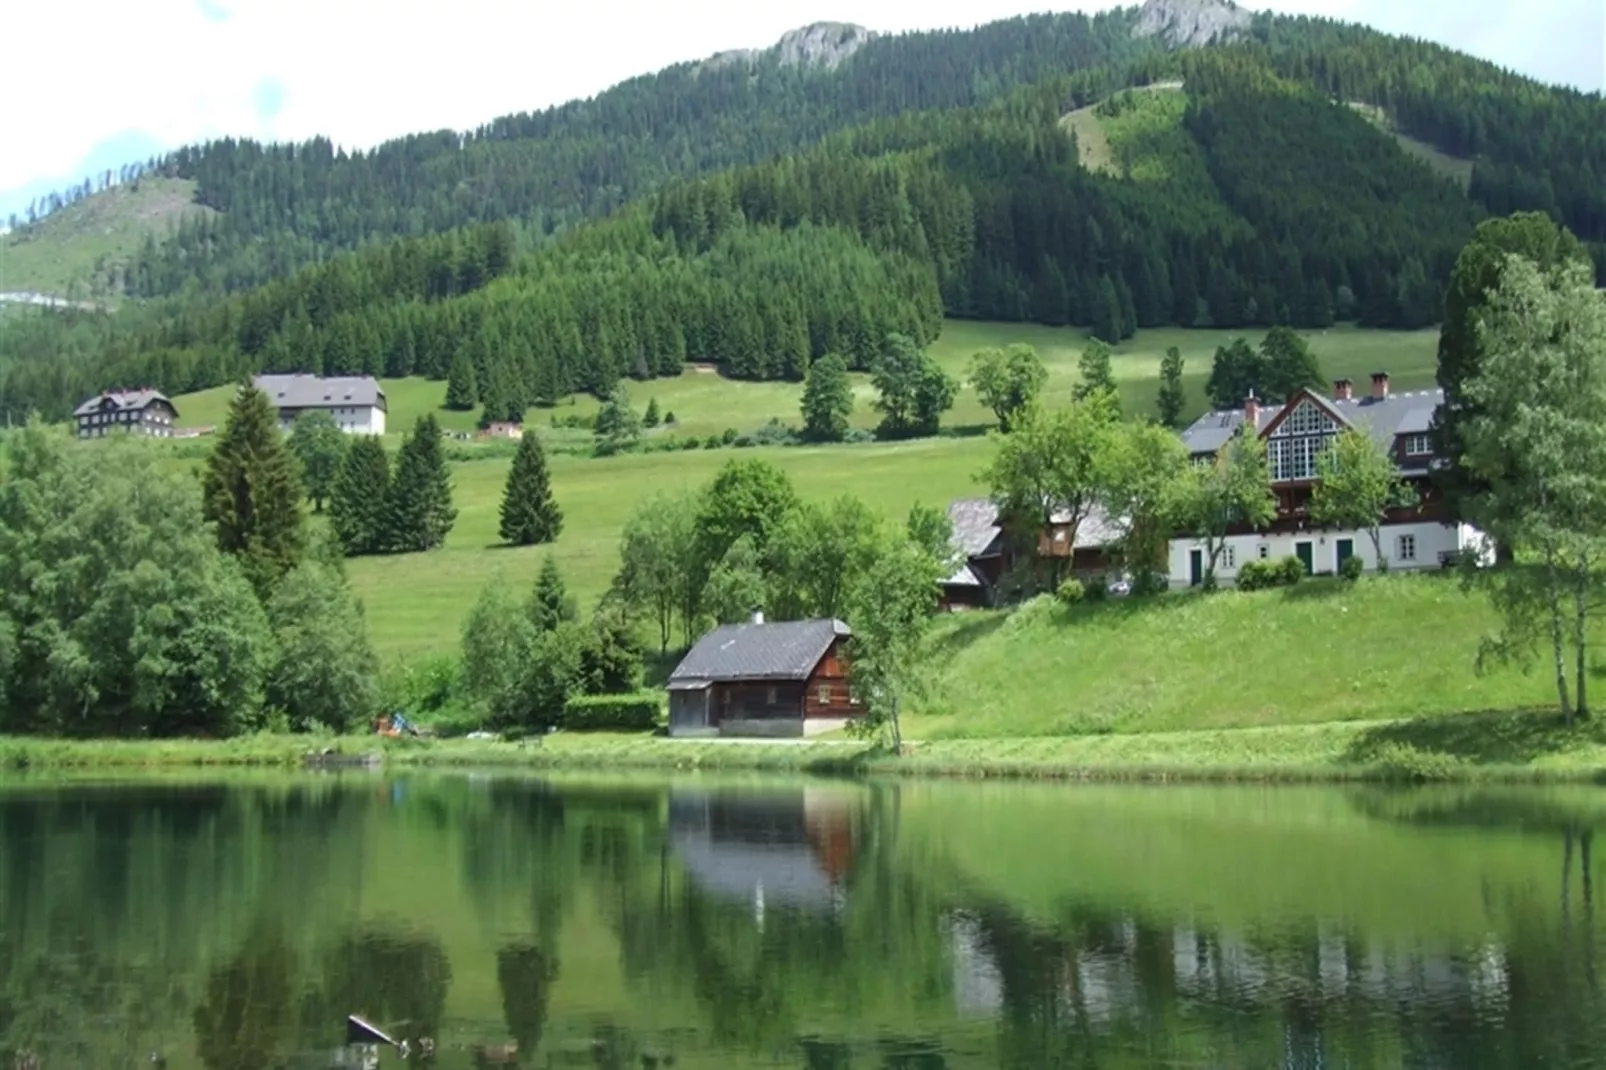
x=62, y=251
x=705, y=403
x=1455, y=168
x=417, y=603
x=1399, y=646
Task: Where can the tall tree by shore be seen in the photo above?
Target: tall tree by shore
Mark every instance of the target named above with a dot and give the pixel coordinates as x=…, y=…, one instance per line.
x=252, y=491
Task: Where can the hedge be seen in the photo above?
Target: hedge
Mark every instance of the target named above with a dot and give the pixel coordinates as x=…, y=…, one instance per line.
x=613, y=713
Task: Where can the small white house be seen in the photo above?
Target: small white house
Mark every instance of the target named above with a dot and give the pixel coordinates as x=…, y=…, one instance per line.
x=1296, y=433
x=356, y=403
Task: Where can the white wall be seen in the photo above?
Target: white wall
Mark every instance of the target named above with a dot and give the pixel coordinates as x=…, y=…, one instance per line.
x=352, y=419
x=1431, y=539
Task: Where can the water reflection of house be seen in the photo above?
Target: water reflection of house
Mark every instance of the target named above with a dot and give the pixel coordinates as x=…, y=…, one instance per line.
x=793, y=848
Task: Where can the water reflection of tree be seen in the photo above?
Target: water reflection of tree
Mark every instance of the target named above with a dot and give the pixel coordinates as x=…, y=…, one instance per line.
x=246, y=1010
x=390, y=977
x=525, y=975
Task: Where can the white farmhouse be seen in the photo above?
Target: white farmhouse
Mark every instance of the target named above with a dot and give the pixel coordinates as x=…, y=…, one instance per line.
x=357, y=403
x=1296, y=433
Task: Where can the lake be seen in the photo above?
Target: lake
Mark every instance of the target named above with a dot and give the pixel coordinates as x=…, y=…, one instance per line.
x=234, y=923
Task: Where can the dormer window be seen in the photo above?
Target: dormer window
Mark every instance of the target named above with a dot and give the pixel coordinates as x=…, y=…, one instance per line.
x=1418, y=445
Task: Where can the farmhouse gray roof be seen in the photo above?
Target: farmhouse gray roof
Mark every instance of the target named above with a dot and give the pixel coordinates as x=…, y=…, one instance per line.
x=121, y=400
x=784, y=650
x=1406, y=413
x=314, y=392
x=975, y=522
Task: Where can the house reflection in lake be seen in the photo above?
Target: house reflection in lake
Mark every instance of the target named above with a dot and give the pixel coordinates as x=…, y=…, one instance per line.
x=792, y=847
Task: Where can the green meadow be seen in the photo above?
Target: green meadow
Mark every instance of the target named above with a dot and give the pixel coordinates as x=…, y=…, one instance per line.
x=416, y=603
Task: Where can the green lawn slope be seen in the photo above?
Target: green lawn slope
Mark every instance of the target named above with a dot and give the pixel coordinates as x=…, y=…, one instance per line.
x=59, y=254
x=1387, y=647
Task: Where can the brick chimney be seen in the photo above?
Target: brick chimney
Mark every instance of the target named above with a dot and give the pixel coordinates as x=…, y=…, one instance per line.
x=1343, y=390
x=1252, y=412
x=1380, y=385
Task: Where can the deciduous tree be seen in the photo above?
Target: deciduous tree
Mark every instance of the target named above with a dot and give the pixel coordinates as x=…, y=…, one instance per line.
x=890, y=615
x=1357, y=484
x=324, y=671
x=1214, y=497
x=1097, y=377
x=1008, y=380
x=320, y=446
x=1537, y=444
x=914, y=391
x=660, y=571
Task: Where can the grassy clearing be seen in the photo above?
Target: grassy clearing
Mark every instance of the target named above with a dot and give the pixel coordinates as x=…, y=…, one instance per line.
x=65, y=246
x=416, y=603
x=1323, y=652
x=1455, y=168
x=706, y=403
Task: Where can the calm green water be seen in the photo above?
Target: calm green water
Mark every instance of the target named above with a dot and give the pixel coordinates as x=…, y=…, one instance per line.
x=625, y=923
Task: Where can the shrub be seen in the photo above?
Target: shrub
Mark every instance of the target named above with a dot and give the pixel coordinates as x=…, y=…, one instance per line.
x=773, y=433
x=1293, y=570
x=714, y=442
x=1098, y=590
x=1352, y=568
x=669, y=418
x=1071, y=592
x=729, y=437
x=858, y=435
x=613, y=713
x=690, y=443
x=743, y=442
x=1259, y=575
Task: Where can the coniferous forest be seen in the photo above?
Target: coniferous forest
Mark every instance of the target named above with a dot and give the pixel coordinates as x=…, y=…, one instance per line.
x=758, y=215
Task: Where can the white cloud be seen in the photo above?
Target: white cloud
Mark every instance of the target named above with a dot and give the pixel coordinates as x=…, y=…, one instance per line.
x=360, y=71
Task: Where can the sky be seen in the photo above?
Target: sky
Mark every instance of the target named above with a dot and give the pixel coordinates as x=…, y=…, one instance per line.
x=115, y=82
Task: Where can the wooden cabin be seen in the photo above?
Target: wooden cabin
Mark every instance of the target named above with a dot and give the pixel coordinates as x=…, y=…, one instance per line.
x=787, y=678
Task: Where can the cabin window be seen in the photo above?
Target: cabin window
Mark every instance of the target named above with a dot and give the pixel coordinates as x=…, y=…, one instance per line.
x=1265, y=552
x=825, y=694
x=1418, y=445
x=1406, y=545
x=769, y=698
x=1229, y=558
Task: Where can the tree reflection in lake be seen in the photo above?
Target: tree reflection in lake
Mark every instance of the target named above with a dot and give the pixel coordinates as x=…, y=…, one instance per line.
x=821, y=924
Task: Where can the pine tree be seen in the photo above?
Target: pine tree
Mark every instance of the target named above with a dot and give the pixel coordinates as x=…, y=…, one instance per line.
x=650, y=418
x=529, y=514
x=1107, y=320
x=462, y=392
x=827, y=400
x=357, y=504
x=252, y=491
x=1172, y=397
x=550, y=605
x=418, y=508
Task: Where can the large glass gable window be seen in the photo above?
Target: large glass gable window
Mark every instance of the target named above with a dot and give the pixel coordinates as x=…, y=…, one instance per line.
x=1298, y=441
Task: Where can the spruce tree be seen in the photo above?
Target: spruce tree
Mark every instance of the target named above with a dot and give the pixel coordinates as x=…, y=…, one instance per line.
x=550, y=605
x=251, y=491
x=418, y=509
x=462, y=392
x=1108, y=323
x=650, y=418
x=529, y=513
x=357, y=505
x=1171, y=397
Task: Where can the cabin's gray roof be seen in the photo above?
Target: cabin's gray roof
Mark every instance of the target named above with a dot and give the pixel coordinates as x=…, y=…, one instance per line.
x=121, y=400
x=964, y=576
x=975, y=522
x=976, y=525
x=1405, y=413
x=783, y=650
x=314, y=392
